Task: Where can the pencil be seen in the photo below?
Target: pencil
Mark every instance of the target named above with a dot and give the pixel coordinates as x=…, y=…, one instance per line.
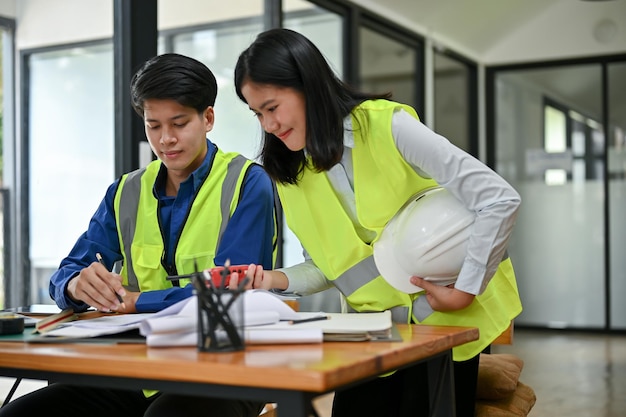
x=101, y=261
x=176, y=277
x=317, y=318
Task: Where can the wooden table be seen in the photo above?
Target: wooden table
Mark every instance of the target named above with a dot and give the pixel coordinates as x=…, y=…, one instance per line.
x=290, y=375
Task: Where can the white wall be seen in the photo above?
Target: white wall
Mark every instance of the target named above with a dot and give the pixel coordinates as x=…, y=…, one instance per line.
x=52, y=22
x=7, y=8
x=179, y=13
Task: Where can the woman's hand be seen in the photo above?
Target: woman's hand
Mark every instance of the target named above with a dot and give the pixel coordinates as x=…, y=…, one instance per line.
x=260, y=278
x=443, y=298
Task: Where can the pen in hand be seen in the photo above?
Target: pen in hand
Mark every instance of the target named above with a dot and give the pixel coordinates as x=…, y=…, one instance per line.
x=101, y=261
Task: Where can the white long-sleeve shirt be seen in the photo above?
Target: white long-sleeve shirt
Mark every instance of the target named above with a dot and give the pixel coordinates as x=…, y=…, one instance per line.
x=478, y=187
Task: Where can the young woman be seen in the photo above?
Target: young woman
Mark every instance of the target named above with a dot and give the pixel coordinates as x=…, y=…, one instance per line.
x=345, y=162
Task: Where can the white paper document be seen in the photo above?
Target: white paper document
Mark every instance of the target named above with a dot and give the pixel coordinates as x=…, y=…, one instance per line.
x=100, y=326
x=338, y=326
x=268, y=320
x=257, y=336
x=260, y=307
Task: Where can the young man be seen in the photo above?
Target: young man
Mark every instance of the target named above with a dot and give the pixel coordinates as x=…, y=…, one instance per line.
x=195, y=206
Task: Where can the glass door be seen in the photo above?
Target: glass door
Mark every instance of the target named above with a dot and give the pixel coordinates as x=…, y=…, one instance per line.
x=70, y=144
x=549, y=144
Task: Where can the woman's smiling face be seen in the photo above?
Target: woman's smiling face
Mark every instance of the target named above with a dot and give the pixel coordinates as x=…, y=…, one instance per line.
x=280, y=110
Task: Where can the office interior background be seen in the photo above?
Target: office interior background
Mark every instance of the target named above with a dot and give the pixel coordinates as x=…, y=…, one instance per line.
x=534, y=88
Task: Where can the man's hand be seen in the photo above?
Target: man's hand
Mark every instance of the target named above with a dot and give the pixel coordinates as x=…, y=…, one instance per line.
x=97, y=287
x=443, y=298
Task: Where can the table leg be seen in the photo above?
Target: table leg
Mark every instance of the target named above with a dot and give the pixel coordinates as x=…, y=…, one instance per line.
x=441, y=386
x=295, y=403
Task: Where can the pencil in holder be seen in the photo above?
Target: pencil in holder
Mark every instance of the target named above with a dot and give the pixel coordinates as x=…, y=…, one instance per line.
x=220, y=317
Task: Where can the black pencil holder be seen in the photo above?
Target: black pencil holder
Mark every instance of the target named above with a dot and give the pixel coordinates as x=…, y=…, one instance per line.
x=220, y=320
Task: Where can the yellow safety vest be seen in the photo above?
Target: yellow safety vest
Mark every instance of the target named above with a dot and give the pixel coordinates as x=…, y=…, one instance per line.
x=140, y=234
x=383, y=182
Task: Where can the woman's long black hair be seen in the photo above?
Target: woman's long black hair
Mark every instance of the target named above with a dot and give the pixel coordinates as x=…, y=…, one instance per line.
x=285, y=58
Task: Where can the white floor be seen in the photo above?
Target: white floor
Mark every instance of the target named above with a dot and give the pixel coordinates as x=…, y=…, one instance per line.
x=26, y=386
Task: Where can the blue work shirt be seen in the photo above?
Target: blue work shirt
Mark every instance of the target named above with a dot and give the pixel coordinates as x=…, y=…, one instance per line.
x=248, y=238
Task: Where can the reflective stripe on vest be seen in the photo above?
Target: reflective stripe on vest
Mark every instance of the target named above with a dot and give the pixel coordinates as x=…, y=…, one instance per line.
x=491, y=311
x=129, y=204
x=366, y=271
x=228, y=191
x=357, y=276
x=421, y=308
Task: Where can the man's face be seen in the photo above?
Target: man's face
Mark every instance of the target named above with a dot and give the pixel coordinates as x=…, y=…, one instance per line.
x=177, y=135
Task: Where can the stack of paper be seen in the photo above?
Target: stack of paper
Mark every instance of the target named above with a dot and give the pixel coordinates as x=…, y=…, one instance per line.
x=339, y=326
x=260, y=308
x=100, y=326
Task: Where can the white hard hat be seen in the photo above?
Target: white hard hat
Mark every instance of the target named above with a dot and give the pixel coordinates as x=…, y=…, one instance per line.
x=426, y=238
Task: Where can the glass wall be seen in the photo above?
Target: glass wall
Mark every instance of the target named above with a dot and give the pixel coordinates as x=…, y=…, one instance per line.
x=325, y=30
x=235, y=127
x=7, y=152
x=451, y=92
x=218, y=45
x=549, y=146
x=616, y=148
x=387, y=65
x=71, y=160
x=4, y=205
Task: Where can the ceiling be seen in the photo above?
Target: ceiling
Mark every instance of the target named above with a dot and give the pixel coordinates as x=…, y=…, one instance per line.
x=479, y=29
x=448, y=19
